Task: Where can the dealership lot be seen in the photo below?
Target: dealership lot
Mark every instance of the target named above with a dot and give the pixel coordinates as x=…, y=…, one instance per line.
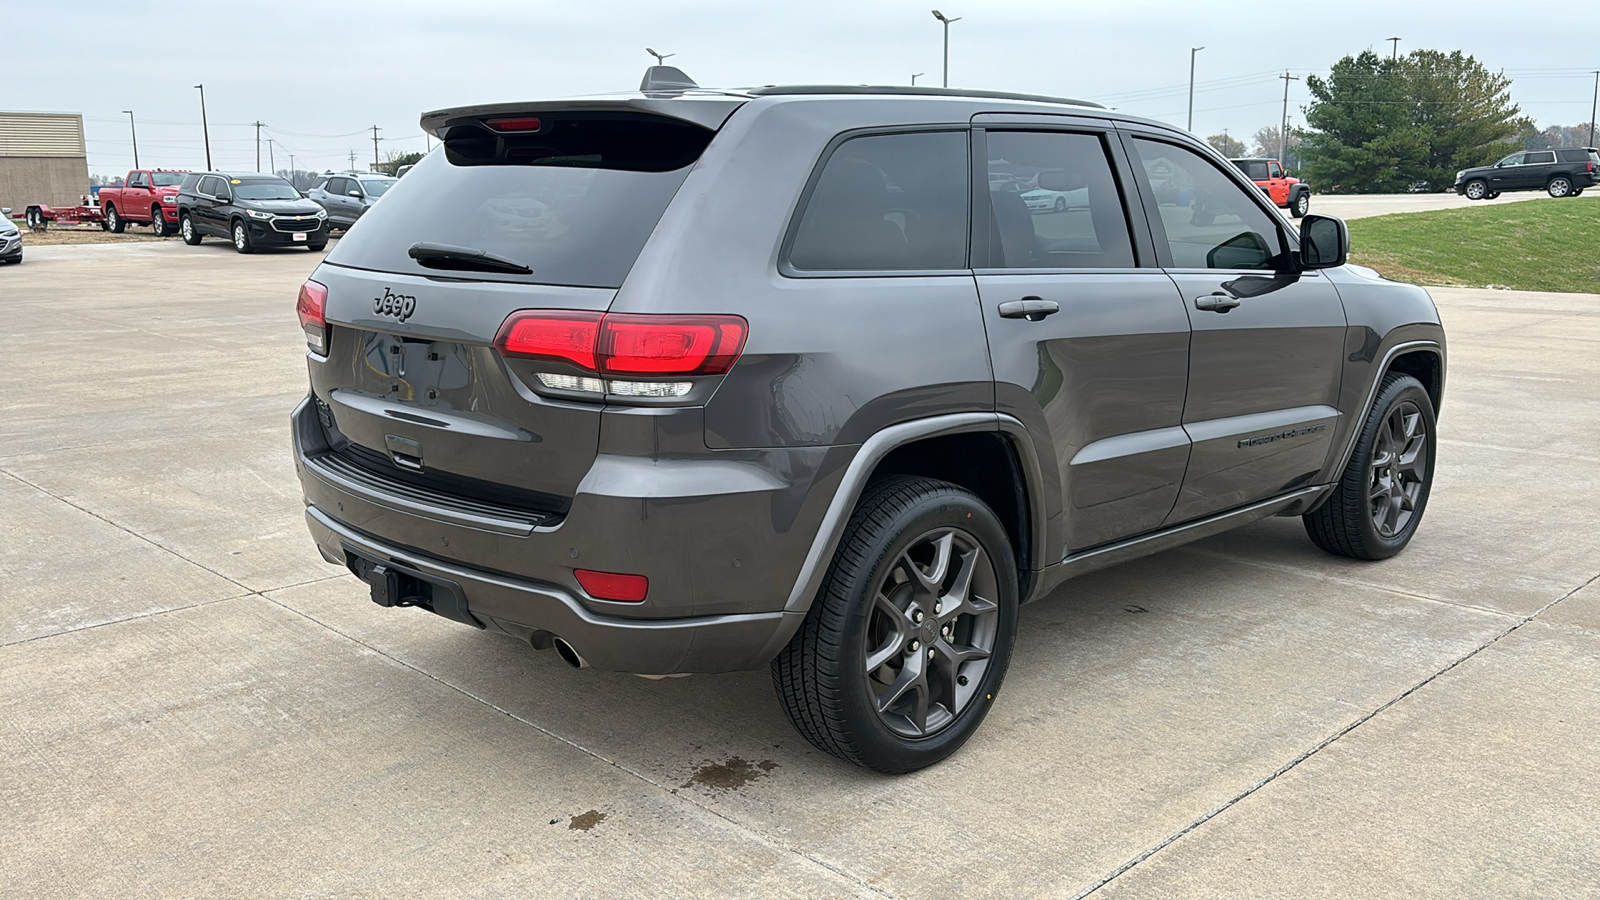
x=192, y=703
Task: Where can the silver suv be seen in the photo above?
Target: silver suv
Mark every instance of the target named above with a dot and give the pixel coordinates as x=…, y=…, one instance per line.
x=695, y=381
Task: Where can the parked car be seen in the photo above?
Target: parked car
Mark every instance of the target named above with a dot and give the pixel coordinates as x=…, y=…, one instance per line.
x=147, y=197
x=348, y=197
x=693, y=381
x=1286, y=191
x=1056, y=192
x=1563, y=172
x=10, y=239
x=251, y=209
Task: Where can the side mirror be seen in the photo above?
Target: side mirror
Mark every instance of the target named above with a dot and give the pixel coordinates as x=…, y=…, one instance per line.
x=356, y=194
x=1324, y=242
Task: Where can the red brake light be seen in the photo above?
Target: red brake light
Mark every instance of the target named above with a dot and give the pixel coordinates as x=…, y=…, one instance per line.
x=312, y=308
x=516, y=123
x=630, y=345
x=670, y=345
x=552, y=334
x=611, y=586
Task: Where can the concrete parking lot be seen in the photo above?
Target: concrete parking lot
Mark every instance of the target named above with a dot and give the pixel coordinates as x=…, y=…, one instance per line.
x=193, y=704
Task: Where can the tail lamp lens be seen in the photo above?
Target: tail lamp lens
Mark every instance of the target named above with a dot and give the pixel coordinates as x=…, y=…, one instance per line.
x=626, y=345
x=312, y=307
x=515, y=123
x=552, y=335
x=612, y=586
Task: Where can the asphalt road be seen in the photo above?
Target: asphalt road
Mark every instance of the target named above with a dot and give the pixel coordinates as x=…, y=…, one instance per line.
x=193, y=704
x=1361, y=206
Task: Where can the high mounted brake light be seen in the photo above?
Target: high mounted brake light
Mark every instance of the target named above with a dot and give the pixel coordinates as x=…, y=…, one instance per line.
x=312, y=307
x=515, y=123
x=632, y=346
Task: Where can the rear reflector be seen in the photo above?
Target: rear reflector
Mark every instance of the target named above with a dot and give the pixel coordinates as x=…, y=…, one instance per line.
x=635, y=345
x=519, y=123
x=612, y=586
x=312, y=307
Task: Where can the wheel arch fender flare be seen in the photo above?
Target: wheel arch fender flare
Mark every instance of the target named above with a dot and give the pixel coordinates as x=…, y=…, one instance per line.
x=875, y=449
x=1407, y=348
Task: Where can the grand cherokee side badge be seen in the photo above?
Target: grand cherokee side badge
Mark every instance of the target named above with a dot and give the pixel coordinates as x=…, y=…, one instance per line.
x=401, y=306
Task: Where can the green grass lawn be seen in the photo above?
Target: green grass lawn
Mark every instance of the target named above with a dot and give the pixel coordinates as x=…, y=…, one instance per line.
x=1535, y=245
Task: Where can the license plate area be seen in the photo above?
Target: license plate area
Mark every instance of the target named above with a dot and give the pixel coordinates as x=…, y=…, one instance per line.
x=394, y=584
x=299, y=235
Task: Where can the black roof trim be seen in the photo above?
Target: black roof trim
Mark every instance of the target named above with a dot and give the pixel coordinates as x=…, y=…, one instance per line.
x=912, y=90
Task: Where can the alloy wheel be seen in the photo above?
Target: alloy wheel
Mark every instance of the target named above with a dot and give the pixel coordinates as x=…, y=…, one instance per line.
x=1559, y=187
x=238, y=236
x=1399, y=467
x=187, y=228
x=1476, y=190
x=931, y=632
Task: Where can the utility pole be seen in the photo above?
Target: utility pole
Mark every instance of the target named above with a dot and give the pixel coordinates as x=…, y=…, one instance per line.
x=205, y=129
x=1394, y=47
x=374, y=148
x=135, y=133
x=352, y=160
x=272, y=165
x=258, y=143
x=947, y=23
x=915, y=76
x=1283, y=135
x=1593, y=104
x=1192, y=52
x=294, y=178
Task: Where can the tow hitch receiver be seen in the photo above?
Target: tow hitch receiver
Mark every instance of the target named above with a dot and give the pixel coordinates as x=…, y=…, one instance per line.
x=396, y=585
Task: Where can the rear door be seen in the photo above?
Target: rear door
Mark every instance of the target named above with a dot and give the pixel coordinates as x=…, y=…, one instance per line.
x=1538, y=167
x=412, y=380
x=1090, y=350
x=209, y=210
x=1267, y=344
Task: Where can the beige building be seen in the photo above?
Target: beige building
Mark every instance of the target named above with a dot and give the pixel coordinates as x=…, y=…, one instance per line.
x=42, y=159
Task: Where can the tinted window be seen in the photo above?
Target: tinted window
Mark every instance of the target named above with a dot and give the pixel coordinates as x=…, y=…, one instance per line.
x=376, y=186
x=1275, y=170
x=190, y=182
x=138, y=180
x=1253, y=169
x=1207, y=220
x=1538, y=157
x=212, y=185
x=1069, y=213
x=575, y=202
x=167, y=179
x=888, y=202
x=274, y=189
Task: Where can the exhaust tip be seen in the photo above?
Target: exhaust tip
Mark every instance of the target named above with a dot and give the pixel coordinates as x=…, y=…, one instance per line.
x=569, y=655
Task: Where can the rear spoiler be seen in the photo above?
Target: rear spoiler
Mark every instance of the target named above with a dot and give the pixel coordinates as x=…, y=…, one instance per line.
x=707, y=109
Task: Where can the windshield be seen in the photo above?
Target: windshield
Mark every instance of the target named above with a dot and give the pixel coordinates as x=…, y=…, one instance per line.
x=376, y=186
x=167, y=179
x=265, y=190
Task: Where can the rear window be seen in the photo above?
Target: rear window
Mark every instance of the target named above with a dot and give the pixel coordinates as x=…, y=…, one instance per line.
x=1253, y=169
x=574, y=201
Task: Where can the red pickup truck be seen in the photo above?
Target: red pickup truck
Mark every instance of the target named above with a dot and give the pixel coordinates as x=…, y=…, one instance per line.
x=147, y=197
x=1287, y=193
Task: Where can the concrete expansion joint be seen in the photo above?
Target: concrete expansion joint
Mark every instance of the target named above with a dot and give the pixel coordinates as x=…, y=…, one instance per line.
x=765, y=838
x=1284, y=769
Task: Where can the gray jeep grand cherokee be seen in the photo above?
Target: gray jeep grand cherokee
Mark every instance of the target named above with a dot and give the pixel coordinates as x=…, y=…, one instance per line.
x=697, y=381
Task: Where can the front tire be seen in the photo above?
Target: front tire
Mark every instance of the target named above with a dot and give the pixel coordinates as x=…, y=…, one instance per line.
x=1378, y=502
x=187, y=229
x=1061, y=204
x=1476, y=189
x=1300, y=205
x=114, y=222
x=241, y=237
x=158, y=222
x=1559, y=186
x=907, y=642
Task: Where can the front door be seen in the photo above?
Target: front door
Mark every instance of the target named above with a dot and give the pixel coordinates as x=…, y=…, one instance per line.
x=1506, y=174
x=1267, y=345
x=1089, y=350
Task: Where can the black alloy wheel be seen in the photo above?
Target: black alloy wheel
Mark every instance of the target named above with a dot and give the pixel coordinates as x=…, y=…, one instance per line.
x=1378, y=502
x=905, y=646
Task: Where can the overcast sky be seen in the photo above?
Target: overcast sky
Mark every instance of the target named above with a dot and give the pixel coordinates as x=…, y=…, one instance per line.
x=320, y=74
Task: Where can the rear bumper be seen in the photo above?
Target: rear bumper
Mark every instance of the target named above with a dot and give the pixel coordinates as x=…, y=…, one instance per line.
x=539, y=612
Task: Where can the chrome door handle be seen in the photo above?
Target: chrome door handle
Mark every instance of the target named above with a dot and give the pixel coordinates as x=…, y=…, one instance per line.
x=1216, y=302
x=1031, y=308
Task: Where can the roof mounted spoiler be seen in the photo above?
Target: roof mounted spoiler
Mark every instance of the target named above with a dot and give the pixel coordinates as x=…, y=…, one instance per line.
x=665, y=79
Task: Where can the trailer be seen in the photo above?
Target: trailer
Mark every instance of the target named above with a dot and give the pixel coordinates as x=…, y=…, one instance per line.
x=39, y=215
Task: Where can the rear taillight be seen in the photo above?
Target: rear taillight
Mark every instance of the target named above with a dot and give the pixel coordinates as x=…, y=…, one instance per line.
x=312, y=308
x=612, y=586
x=515, y=123
x=636, y=355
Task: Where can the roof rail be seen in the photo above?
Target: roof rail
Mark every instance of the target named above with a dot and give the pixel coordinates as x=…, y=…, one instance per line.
x=914, y=90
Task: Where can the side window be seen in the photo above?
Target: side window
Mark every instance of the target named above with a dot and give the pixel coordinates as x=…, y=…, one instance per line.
x=1514, y=159
x=209, y=185
x=335, y=186
x=888, y=202
x=1053, y=203
x=138, y=180
x=1206, y=219
x=191, y=183
x=1540, y=157
x=1255, y=170
x=1276, y=170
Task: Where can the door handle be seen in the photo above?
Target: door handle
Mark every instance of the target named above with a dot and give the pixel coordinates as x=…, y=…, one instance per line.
x=1216, y=302
x=1031, y=308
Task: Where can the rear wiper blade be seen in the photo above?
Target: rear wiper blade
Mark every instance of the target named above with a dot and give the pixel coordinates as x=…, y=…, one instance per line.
x=449, y=256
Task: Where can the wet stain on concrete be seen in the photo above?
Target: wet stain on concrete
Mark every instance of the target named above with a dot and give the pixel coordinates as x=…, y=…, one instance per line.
x=731, y=774
x=586, y=821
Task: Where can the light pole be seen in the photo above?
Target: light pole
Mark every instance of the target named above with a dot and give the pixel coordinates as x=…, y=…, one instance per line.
x=135, y=133
x=915, y=76
x=661, y=58
x=204, y=129
x=1192, y=52
x=1394, y=47
x=1593, y=104
x=947, y=23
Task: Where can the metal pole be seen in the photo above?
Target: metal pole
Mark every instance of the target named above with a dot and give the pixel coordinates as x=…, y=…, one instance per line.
x=352, y=160
x=915, y=76
x=135, y=133
x=258, y=125
x=374, y=148
x=294, y=179
x=205, y=129
x=947, y=23
x=1593, y=104
x=272, y=165
x=1394, y=49
x=1192, y=52
x=1283, y=133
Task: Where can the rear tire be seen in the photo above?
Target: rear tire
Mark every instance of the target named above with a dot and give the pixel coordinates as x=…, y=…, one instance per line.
x=1300, y=205
x=907, y=642
x=1476, y=189
x=187, y=229
x=114, y=222
x=241, y=237
x=1378, y=502
x=158, y=222
x=1559, y=186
